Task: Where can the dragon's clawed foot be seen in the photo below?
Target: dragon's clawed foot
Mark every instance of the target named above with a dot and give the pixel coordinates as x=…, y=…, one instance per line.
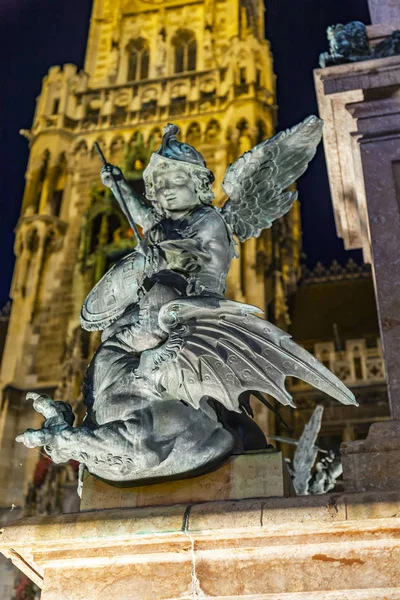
x=59, y=418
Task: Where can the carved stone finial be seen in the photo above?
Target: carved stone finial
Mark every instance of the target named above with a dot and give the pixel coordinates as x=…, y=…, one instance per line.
x=26, y=133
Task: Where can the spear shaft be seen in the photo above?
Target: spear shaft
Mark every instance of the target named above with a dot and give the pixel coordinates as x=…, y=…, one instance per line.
x=120, y=197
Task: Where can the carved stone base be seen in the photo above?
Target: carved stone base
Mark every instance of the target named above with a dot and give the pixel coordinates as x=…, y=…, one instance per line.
x=374, y=463
x=332, y=547
x=260, y=474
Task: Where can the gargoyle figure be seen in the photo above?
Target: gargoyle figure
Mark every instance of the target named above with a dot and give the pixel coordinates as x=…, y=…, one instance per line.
x=326, y=471
x=167, y=392
x=349, y=43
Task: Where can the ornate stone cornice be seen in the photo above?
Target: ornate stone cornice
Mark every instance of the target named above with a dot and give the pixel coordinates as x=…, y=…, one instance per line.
x=336, y=272
x=47, y=220
x=42, y=226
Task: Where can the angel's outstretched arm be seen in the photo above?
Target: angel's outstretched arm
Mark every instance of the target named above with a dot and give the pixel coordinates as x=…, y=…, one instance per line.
x=139, y=211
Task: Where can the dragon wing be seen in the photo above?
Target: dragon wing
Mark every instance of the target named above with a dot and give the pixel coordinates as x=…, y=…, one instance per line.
x=220, y=348
x=256, y=182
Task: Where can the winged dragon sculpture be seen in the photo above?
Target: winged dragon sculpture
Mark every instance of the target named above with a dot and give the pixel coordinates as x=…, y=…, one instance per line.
x=168, y=390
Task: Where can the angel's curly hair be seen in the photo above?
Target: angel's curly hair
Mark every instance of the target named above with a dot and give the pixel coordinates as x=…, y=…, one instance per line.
x=202, y=182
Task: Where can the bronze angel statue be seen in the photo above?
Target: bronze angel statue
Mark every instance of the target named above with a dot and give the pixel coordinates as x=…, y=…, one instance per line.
x=168, y=390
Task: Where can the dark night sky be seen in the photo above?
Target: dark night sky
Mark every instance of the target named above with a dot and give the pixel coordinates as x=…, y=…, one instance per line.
x=36, y=34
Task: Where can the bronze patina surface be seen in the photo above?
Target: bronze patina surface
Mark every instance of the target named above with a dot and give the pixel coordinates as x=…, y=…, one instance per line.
x=168, y=390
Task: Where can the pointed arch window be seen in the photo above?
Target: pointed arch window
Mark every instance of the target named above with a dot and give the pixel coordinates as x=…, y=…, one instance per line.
x=58, y=187
x=41, y=179
x=138, y=60
x=185, y=46
x=193, y=135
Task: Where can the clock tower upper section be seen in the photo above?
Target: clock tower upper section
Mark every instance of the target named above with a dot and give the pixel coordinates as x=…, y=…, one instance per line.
x=152, y=39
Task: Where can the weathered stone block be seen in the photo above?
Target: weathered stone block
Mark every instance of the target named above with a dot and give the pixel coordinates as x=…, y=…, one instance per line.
x=372, y=505
x=251, y=475
x=374, y=463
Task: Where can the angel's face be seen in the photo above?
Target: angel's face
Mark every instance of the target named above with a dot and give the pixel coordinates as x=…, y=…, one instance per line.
x=175, y=191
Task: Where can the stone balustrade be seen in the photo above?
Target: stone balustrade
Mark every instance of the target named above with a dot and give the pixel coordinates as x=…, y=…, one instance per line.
x=355, y=365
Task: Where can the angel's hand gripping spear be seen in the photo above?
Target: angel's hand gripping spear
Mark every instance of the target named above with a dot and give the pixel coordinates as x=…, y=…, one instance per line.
x=120, y=198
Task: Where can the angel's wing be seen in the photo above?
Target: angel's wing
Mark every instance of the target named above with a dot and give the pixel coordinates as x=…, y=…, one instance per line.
x=256, y=182
x=219, y=348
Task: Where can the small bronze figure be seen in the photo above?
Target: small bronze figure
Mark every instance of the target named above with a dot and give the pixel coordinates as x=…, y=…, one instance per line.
x=350, y=43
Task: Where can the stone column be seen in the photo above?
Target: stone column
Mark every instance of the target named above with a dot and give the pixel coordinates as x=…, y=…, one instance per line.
x=362, y=145
x=360, y=105
x=378, y=141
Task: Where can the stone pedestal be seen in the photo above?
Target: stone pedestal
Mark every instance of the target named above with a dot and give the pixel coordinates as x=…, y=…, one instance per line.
x=260, y=474
x=332, y=547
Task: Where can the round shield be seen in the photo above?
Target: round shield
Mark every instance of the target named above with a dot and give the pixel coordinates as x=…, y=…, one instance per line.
x=116, y=290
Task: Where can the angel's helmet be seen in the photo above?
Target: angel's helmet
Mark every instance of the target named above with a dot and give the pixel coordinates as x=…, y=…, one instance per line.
x=172, y=152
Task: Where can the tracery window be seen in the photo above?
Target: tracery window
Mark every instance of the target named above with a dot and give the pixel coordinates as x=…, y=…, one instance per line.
x=155, y=139
x=139, y=60
x=117, y=150
x=185, y=46
x=262, y=132
x=56, y=106
x=212, y=131
x=193, y=135
x=105, y=235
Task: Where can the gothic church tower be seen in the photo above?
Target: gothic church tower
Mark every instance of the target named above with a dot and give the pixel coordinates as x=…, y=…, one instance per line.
x=202, y=64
